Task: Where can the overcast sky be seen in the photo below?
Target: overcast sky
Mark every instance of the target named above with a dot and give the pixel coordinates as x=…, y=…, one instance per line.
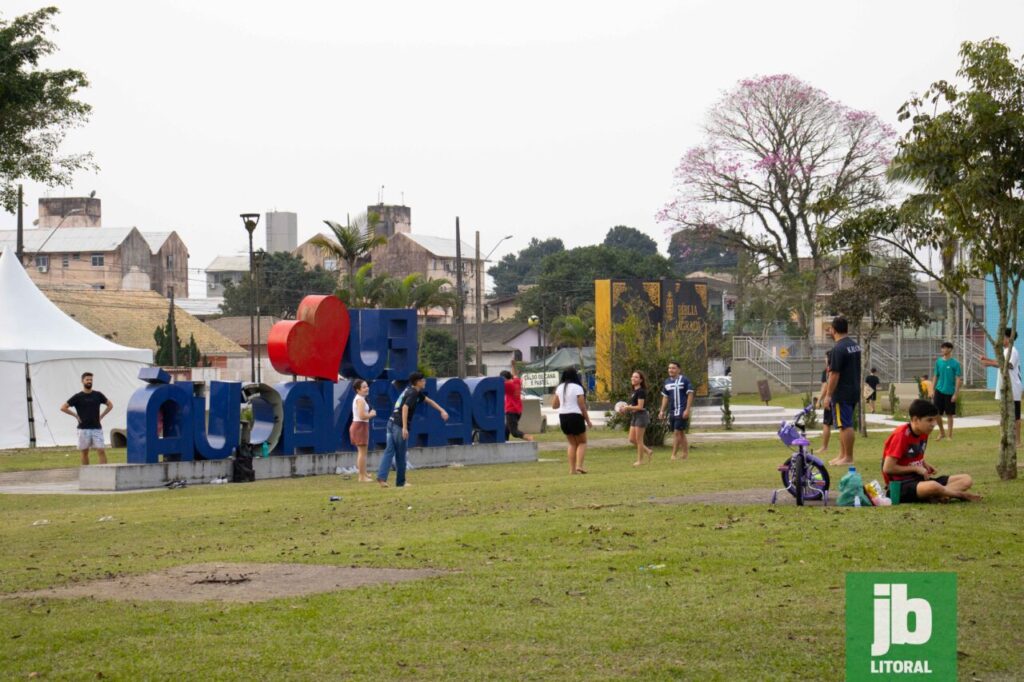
x=532, y=119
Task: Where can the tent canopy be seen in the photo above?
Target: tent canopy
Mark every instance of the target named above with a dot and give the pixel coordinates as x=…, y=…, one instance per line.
x=564, y=358
x=43, y=347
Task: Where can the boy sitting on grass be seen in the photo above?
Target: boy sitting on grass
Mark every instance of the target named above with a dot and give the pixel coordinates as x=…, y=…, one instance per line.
x=903, y=460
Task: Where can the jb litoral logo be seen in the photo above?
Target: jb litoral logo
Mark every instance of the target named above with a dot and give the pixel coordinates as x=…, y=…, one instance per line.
x=900, y=626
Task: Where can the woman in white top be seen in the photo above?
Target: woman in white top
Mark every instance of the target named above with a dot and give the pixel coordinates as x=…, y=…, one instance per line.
x=1013, y=358
x=570, y=401
x=359, y=432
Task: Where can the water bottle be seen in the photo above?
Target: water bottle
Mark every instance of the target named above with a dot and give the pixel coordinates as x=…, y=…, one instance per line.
x=856, y=501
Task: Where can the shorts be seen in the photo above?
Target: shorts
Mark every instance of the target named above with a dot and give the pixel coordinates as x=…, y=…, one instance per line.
x=90, y=438
x=641, y=419
x=944, y=403
x=677, y=423
x=842, y=415
x=908, y=489
x=359, y=433
x=572, y=424
x=826, y=417
x=512, y=425
x=872, y=398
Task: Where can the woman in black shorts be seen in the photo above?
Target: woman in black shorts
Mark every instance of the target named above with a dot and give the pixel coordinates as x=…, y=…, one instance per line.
x=639, y=417
x=570, y=401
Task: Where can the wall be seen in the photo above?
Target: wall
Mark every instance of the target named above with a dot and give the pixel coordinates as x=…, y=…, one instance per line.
x=177, y=275
x=53, y=210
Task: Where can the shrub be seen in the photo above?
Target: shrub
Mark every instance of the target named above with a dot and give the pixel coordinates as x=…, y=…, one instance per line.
x=727, y=416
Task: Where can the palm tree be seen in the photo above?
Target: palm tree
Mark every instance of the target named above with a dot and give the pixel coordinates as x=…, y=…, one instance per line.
x=352, y=241
x=364, y=290
x=571, y=330
x=416, y=291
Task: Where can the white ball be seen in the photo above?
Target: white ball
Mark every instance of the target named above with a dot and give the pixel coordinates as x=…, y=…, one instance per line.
x=620, y=407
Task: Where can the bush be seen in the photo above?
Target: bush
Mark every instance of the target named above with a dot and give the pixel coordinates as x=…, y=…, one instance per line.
x=812, y=418
x=894, y=403
x=727, y=417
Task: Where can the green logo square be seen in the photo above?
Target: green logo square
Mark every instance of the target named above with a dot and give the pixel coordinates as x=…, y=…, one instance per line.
x=900, y=626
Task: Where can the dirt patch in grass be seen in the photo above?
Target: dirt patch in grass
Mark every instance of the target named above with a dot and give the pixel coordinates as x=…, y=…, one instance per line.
x=234, y=582
x=727, y=497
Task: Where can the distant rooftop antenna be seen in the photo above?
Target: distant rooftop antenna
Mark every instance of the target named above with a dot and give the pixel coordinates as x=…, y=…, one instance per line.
x=403, y=198
x=380, y=198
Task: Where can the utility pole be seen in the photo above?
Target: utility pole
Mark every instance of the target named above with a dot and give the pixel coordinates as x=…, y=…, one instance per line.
x=460, y=311
x=479, y=312
x=172, y=332
x=259, y=333
x=21, y=226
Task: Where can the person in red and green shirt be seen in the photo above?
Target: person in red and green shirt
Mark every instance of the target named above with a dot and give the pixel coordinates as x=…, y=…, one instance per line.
x=903, y=460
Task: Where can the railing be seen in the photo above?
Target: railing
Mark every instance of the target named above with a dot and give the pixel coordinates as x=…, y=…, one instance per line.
x=747, y=348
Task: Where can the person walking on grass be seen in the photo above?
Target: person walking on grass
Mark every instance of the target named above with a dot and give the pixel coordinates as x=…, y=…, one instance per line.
x=677, y=401
x=903, y=461
x=571, y=403
x=398, y=429
x=359, y=431
x=826, y=416
x=843, y=391
x=639, y=417
x=872, y=381
x=513, y=404
x=946, y=382
x=1013, y=358
x=87, y=403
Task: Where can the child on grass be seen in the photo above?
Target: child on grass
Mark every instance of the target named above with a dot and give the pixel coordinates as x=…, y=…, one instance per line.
x=903, y=461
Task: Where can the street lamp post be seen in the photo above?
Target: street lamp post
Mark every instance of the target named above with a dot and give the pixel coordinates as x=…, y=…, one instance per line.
x=479, y=300
x=250, y=220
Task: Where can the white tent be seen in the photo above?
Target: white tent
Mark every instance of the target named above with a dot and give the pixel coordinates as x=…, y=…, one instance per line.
x=43, y=348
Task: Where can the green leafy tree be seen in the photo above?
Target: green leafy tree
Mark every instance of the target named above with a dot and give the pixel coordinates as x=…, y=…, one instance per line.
x=514, y=270
x=437, y=352
x=284, y=281
x=365, y=290
x=574, y=332
x=419, y=292
x=188, y=355
x=964, y=154
x=880, y=297
x=352, y=241
x=703, y=248
x=37, y=108
x=630, y=239
x=566, y=279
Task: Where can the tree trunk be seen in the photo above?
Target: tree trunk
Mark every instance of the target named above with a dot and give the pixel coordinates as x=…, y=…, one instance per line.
x=865, y=360
x=1007, y=467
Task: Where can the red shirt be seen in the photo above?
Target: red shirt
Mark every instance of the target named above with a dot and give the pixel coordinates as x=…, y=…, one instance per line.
x=513, y=399
x=907, y=448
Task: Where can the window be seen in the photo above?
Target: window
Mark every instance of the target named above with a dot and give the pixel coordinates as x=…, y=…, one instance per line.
x=99, y=287
x=97, y=260
x=65, y=260
x=170, y=262
x=76, y=256
x=42, y=262
x=330, y=264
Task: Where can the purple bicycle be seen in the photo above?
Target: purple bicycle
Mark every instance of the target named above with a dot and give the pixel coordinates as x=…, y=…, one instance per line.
x=804, y=476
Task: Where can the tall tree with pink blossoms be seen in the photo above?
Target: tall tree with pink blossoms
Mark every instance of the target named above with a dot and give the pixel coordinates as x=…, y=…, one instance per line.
x=782, y=163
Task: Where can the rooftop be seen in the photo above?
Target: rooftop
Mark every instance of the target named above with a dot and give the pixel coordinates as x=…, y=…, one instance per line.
x=130, y=318
x=442, y=247
x=239, y=263
x=236, y=327
x=67, y=239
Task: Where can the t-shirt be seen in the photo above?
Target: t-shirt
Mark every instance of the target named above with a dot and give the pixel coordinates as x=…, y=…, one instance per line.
x=355, y=408
x=846, y=363
x=907, y=448
x=946, y=372
x=824, y=375
x=873, y=381
x=87, y=405
x=567, y=394
x=1015, y=385
x=411, y=397
x=638, y=395
x=513, y=396
x=677, y=390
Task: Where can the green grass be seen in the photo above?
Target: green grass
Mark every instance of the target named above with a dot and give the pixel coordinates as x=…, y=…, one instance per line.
x=51, y=458
x=544, y=584
x=976, y=402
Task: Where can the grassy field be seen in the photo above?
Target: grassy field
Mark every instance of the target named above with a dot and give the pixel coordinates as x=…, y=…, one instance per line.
x=976, y=402
x=544, y=583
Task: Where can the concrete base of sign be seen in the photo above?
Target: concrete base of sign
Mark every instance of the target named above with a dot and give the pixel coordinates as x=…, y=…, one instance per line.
x=139, y=476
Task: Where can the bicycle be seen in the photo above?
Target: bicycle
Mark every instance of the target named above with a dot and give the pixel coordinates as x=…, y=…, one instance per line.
x=804, y=476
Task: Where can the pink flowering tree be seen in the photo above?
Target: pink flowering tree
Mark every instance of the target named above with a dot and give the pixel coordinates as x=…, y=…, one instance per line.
x=781, y=163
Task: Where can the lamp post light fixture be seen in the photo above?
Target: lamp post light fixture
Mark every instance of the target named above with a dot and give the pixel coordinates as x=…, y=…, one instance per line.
x=250, y=220
x=479, y=300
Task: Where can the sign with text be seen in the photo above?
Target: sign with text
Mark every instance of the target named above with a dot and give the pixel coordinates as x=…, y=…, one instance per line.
x=539, y=379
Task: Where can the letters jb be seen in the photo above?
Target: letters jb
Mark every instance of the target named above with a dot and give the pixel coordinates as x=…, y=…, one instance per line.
x=179, y=422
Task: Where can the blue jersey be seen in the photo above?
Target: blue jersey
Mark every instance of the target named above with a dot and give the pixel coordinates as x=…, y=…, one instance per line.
x=677, y=391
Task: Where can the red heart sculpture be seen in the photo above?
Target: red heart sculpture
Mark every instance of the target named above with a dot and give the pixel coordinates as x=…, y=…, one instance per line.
x=311, y=345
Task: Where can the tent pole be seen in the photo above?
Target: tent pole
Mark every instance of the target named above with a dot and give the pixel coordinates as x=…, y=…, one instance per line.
x=28, y=401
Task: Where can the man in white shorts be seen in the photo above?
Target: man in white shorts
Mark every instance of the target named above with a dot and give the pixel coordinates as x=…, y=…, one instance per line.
x=87, y=403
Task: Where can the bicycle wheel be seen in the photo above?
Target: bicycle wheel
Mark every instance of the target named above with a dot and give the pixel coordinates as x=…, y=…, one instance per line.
x=798, y=477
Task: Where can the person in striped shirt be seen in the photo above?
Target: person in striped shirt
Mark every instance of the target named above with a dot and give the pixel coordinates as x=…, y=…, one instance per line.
x=677, y=401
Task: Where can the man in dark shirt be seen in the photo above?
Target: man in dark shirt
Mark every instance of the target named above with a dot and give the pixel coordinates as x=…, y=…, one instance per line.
x=398, y=429
x=843, y=391
x=87, y=403
x=872, y=381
